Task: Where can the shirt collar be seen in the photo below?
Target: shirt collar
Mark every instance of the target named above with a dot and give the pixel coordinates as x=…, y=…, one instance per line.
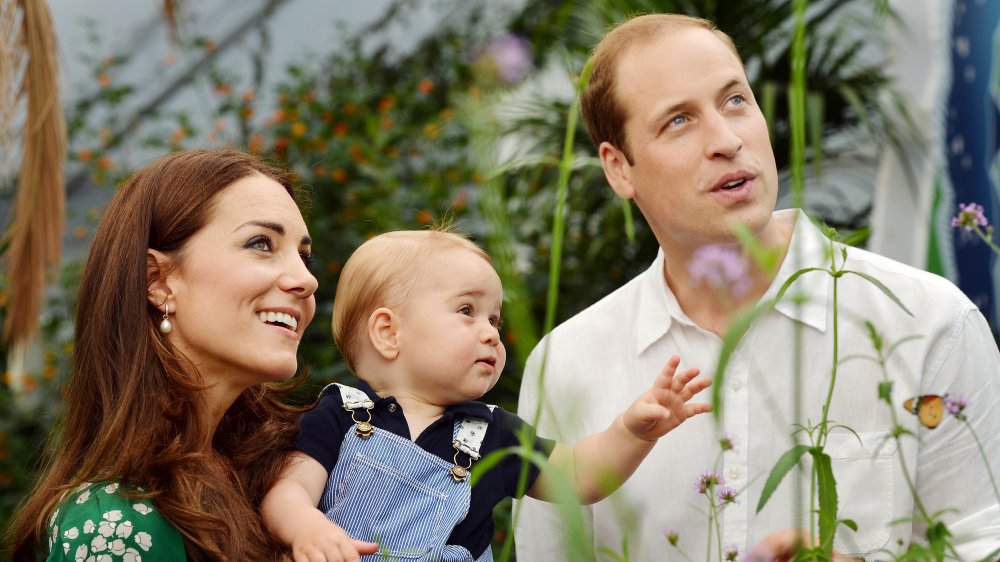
x=658, y=309
x=808, y=248
x=473, y=409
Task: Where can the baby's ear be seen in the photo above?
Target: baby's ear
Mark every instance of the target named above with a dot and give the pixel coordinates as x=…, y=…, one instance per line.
x=382, y=333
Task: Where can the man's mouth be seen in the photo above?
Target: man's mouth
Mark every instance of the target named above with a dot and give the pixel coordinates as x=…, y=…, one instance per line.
x=278, y=319
x=734, y=184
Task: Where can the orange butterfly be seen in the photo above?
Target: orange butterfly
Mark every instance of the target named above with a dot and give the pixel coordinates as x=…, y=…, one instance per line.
x=929, y=409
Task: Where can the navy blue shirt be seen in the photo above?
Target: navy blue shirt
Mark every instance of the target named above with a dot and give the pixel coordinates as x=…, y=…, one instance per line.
x=323, y=428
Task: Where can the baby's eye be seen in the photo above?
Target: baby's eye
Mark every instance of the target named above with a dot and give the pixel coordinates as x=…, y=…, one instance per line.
x=496, y=321
x=260, y=243
x=466, y=310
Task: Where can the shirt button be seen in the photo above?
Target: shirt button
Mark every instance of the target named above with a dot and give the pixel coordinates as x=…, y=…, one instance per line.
x=735, y=473
x=737, y=385
x=392, y=408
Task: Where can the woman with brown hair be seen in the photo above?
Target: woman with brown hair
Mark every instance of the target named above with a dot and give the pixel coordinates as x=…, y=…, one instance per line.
x=193, y=303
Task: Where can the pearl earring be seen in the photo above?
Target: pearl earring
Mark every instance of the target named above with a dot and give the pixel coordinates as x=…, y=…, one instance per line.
x=165, y=325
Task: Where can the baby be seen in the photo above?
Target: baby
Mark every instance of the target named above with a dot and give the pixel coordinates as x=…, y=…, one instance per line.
x=417, y=318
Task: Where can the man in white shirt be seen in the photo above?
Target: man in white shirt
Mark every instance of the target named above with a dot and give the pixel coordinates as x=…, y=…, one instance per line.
x=679, y=132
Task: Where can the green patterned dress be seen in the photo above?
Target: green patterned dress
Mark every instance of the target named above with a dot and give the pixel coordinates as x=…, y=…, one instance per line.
x=98, y=523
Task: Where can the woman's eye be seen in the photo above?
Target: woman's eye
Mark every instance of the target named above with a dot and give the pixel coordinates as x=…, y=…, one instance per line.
x=259, y=243
x=308, y=259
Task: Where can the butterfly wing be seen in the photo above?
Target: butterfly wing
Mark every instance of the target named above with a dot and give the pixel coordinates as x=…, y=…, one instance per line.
x=931, y=410
x=928, y=408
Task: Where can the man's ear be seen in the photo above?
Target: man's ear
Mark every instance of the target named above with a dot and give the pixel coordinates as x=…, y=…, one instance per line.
x=616, y=169
x=383, y=334
x=157, y=268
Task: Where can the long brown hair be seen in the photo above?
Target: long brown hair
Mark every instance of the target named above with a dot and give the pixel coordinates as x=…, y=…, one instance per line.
x=132, y=411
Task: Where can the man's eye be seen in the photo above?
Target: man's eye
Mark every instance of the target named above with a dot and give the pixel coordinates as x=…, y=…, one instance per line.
x=738, y=99
x=679, y=120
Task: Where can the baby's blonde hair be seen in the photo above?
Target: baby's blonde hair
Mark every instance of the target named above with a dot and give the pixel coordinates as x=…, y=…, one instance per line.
x=382, y=273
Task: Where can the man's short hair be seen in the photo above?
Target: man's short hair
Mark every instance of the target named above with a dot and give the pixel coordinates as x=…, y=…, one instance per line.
x=602, y=110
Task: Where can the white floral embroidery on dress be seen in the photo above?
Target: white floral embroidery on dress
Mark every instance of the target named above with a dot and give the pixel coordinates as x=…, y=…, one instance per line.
x=124, y=529
x=144, y=540
x=113, y=515
x=72, y=533
x=89, y=526
x=82, y=499
x=132, y=555
x=111, y=488
x=142, y=508
x=117, y=547
x=65, y=548
x=81, y=553
x=98, y=544
x=106, y=528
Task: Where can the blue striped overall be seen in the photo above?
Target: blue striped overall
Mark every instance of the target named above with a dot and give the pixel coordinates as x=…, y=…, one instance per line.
x=386, y=489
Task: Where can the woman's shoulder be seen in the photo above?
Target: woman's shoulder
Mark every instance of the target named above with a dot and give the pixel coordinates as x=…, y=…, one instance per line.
x=101, y=522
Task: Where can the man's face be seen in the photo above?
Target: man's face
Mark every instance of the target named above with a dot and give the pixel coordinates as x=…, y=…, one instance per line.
x=702, y=159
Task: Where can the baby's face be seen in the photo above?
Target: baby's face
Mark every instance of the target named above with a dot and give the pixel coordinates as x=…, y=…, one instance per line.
x=448, y=332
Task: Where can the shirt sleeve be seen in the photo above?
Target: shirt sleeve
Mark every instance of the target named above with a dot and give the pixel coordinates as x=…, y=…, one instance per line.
x=953, y=467
x=540, y=528
x=322, y=429
x=514, y=430
x=100, y=522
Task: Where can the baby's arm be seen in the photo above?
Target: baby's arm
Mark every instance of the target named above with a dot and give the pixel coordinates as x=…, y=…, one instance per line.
x=289, y=510
x=601, y=462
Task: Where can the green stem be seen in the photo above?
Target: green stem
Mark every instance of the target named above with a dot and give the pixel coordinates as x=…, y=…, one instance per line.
x=989, y=241
x=979, y=445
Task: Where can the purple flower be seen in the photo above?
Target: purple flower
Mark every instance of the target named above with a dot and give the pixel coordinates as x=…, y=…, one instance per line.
x=730, y=552
x=707, y=480
x=723, y=267
x=969, y=217
x=727, y=442
x=673, y=536
x=726, y=495
x=955, y=404
x=509, y=58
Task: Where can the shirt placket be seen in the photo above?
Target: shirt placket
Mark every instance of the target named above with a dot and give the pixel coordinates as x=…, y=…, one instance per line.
x=734, y=466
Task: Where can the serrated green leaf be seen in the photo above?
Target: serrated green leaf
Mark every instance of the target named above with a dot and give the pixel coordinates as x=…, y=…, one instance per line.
x=778, y=472
x=827, y=491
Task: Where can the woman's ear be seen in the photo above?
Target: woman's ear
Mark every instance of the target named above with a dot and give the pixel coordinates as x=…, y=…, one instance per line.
x=157, y=267
x=382, y=333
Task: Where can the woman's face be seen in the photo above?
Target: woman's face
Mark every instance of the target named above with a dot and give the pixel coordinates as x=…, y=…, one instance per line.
x=241, y=293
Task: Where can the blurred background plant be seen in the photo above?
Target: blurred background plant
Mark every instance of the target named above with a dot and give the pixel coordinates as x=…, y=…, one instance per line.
x=385, y=139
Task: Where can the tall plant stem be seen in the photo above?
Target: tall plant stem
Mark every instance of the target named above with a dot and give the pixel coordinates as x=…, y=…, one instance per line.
x=979, y=446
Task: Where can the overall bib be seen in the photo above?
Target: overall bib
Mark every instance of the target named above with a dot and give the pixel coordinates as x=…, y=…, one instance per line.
x=388, y=490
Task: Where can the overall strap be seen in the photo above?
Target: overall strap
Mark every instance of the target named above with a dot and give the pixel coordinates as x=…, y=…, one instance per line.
x=469, y=433
x=354, y=400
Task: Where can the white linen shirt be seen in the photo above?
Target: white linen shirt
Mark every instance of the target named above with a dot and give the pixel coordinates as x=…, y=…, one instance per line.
x=601, y=360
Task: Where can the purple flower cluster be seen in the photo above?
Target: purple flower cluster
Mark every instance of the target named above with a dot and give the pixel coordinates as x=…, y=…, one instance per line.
x=708, y=480
x=722, y=267
x=727, y=442
x=955, y=404
x=969, y=217
x=511, y=57
x=726, y=495
x=730, y=552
